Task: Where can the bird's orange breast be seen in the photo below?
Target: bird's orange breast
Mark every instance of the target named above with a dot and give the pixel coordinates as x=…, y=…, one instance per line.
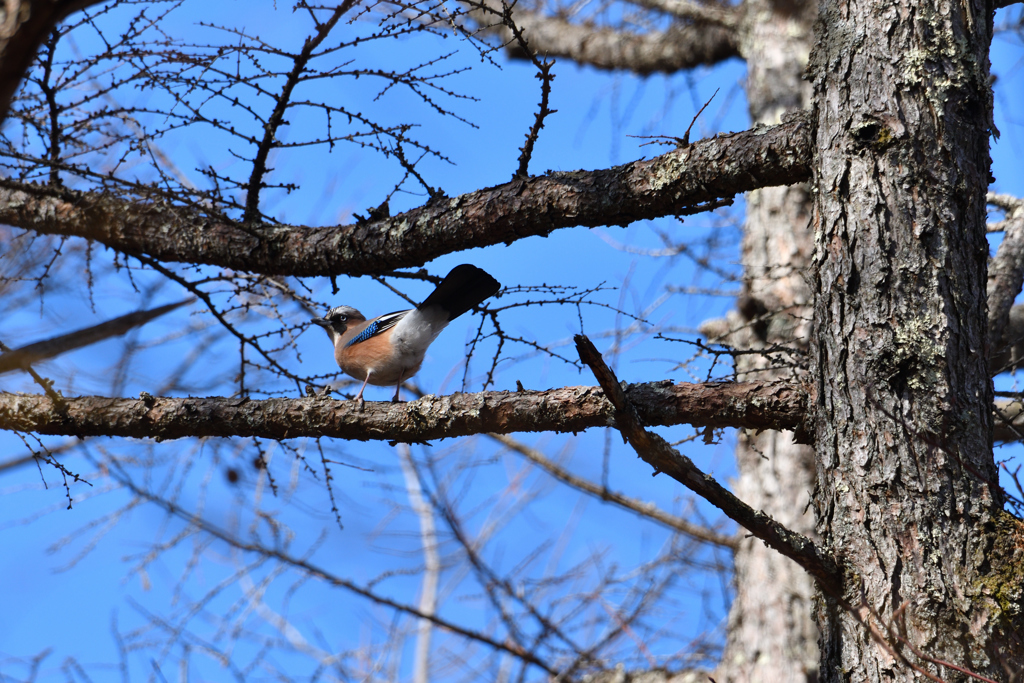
x=386, y=365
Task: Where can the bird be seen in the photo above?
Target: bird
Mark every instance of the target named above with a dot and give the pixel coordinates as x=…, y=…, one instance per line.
x=389, y=349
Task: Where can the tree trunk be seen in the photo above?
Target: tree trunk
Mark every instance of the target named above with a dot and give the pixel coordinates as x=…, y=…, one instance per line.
x=906, y=495
x=771, y=631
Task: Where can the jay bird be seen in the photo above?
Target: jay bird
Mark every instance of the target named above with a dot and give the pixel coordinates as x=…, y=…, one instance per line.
x=390, y=348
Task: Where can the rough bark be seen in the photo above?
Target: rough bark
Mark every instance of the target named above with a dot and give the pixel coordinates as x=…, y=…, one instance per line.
x=771, y=633
x=569, y=409
x=906, y=493
x=675, y=182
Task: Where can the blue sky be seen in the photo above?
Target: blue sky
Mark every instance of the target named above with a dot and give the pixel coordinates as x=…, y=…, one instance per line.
x=71, y=609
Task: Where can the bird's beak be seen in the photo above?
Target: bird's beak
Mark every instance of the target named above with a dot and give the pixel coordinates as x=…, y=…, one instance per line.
x=322, y=322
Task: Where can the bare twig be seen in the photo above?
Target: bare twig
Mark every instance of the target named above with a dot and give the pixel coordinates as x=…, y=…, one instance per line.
x=648, y=510
x=283, y=101
x=543, y=67
x=313, y=570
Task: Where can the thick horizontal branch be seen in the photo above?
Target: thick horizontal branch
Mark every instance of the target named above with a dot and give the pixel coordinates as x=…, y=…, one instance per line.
x=744, y=405
x=676, y=182
x=668, y=51
x=655, y=451
x=570, y=409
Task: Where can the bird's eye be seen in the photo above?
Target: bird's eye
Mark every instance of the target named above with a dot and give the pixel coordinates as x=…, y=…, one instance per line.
x=342, y=318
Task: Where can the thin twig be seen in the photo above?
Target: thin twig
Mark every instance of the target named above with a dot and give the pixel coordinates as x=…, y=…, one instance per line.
x=648, y=510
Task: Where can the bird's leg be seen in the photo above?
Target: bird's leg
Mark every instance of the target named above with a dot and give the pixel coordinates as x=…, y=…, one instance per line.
x=398, y=387
x=359, y=396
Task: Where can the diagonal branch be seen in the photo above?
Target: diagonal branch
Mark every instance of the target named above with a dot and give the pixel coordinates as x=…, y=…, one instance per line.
x=755, y=405
x=679, y=181
x=656, y=451
x=283, y=102
x=37, y=352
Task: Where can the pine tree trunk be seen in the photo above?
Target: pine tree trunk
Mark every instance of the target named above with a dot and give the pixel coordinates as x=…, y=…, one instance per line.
x=906, y=495
x=771, y=631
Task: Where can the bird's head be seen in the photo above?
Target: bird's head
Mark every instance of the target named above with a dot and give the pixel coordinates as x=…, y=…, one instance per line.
x=337, y=321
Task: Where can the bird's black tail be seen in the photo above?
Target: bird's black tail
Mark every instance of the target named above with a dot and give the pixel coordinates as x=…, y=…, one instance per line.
x=462, y=289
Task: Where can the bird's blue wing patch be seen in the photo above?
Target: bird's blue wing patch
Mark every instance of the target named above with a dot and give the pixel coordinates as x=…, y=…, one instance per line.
x=370, y=330
x=378, y=325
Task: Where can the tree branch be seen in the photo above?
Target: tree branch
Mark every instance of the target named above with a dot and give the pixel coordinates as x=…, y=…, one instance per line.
x=1009, y=355
x=673, y=183
x=727, y=16
x=752, y=405
x=1005, y=276
x=743, y=405
x=24, y=25
x=282, y=104
x=663, y=458
x=679, y=48
x=37, y=352
x=1009, y=421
